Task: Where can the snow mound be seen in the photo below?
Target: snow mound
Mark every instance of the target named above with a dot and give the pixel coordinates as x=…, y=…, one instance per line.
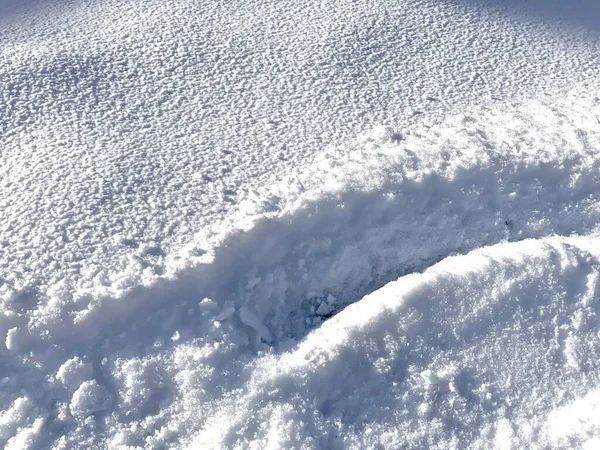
x=480, y=350
x=249, y=336
x=89, y=398
x=128, y=126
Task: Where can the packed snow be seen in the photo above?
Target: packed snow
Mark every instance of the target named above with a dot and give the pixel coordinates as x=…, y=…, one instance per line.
x=299, y=225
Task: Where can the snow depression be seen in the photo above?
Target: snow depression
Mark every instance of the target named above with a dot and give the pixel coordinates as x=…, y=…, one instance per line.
x=270, y=224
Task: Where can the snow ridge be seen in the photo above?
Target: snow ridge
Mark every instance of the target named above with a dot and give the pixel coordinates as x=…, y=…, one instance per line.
x=490, y=341
x=182, y=264
x=181, y=361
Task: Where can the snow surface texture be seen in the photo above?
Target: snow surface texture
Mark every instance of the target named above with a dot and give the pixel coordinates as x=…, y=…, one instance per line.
x=488, y=348
x=127, y=126
x=183, y=265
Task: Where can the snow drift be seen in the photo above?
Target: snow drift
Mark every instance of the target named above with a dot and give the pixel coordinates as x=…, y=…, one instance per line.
x=241, y=349
x=472, y=353
x=183, y=263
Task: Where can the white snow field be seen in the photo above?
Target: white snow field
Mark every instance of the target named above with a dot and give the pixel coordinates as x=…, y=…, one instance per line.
x=319, y=225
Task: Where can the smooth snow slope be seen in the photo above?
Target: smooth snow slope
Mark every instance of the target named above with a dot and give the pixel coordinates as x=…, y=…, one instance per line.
x=185, y=203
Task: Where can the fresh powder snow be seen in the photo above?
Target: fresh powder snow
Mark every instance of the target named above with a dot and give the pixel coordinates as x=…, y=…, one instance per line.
x=316, y=225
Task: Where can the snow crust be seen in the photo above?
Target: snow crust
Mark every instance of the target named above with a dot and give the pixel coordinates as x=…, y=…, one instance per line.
x=202, y=247
x=128, y=127
x=489, y=346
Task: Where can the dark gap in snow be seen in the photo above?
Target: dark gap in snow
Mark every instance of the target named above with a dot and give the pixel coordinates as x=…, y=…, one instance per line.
x=266, y=285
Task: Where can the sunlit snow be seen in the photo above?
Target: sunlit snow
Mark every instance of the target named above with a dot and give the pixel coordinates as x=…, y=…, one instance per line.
x=317, y=225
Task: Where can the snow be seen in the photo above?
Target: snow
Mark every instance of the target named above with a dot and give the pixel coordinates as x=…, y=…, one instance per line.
x=136, y=125
x=88, y=399
x=73, y=372
x=317, y=225
x=474, y=350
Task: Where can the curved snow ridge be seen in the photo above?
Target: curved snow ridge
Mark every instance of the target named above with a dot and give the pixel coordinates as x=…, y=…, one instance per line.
x=482, y=350
x=363, y=214
x=369, y=211
x=151, y=367
x=127, y=126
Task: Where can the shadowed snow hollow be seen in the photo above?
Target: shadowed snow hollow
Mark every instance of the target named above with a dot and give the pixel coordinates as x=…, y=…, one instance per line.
x=234, y=349
x=128, y=126
x=473, y=353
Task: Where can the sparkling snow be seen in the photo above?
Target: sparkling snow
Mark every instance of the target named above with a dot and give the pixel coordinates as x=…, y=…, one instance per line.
x=308, y=225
